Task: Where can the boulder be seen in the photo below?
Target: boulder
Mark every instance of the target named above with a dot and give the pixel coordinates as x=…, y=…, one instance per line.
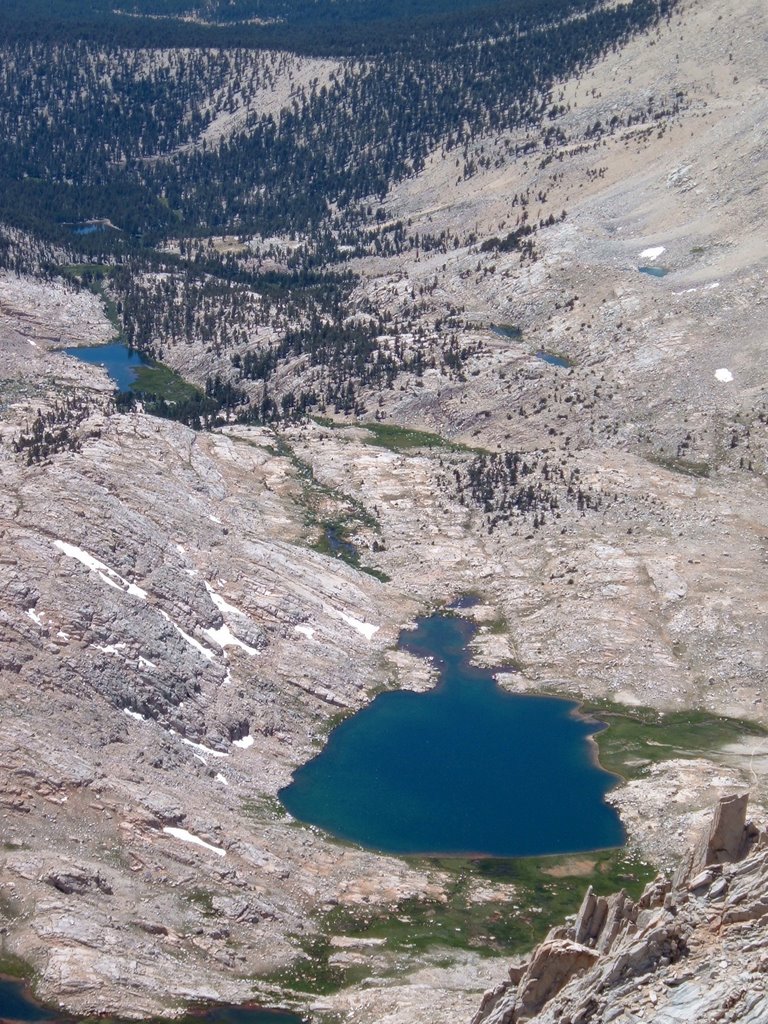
x=553, y=965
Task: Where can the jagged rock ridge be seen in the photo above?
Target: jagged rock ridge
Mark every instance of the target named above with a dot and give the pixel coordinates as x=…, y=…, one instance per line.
x=691, y=949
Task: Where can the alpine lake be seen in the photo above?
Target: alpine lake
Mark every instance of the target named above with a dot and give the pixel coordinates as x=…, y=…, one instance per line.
x=465, y=769
x=130, y=370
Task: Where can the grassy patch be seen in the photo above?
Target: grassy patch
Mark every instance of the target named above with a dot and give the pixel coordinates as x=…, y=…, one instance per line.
x=499, y=625
x=399, y=439
x=202, y=899
x=265, y=808
x=688, y=467
x=545, y=893
x=163, y=382
x=378, y=574
x=14, y=967
x=638, y=736
x=312, y=971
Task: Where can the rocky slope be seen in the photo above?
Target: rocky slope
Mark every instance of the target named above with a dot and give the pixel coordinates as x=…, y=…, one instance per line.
x=690, y=949
x=173, y=644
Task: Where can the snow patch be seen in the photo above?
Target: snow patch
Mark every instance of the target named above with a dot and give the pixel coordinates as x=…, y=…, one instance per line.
x=224, y=637
x=723, y=375
x=366, y=628
x=306, y=631
x=205, y=651
x=205, y=750
x=146, y=663
x=134, y=714
x=114, y=579
x=709, y=287
x=109, y=648
x=220, y=778
x=653, y=253
x=221, y=604
x=187, y=837
x=244, y=743
x=34, y=616
x=32, y=343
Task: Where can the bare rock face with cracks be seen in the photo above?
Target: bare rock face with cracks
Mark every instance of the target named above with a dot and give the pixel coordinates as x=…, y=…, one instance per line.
x=691, y=948
x=175, y=639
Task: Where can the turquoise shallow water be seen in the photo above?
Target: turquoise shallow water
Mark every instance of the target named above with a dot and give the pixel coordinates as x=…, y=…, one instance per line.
x=654, y=271
x=465, y=769
x=121, y=362
x=16, y=1005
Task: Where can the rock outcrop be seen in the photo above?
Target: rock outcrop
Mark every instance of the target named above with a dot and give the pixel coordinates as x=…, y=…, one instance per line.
x=689, y=950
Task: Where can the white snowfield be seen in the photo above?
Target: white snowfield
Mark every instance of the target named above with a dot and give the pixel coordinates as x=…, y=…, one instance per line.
x=205, y=651
x=244, y=743
x=724, y=376
x=224, y=637
x=222, y=604
x=653, y=253
x=114, y=579
x=208, y=751
x=187, y=837
x=365, y=628
x=307, y=631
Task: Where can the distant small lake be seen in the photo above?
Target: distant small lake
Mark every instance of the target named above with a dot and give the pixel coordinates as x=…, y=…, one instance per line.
x=17, y=1005
x=512, y=333
x=654, y=271
x=552, y=359
x=120, y=362
x=465, y=769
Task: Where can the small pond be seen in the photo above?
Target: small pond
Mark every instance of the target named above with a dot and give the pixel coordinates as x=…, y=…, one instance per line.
x=552, y=359
x=654, y=271
x=515, y=334
x=338, y=546
x=464, y=769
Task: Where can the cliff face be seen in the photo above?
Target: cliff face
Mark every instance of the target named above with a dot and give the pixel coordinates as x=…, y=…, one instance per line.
x=691, y=949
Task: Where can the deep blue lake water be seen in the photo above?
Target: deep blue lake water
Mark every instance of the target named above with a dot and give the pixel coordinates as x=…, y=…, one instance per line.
x=16, y=1005
x=120, y=361
x=465, y=769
